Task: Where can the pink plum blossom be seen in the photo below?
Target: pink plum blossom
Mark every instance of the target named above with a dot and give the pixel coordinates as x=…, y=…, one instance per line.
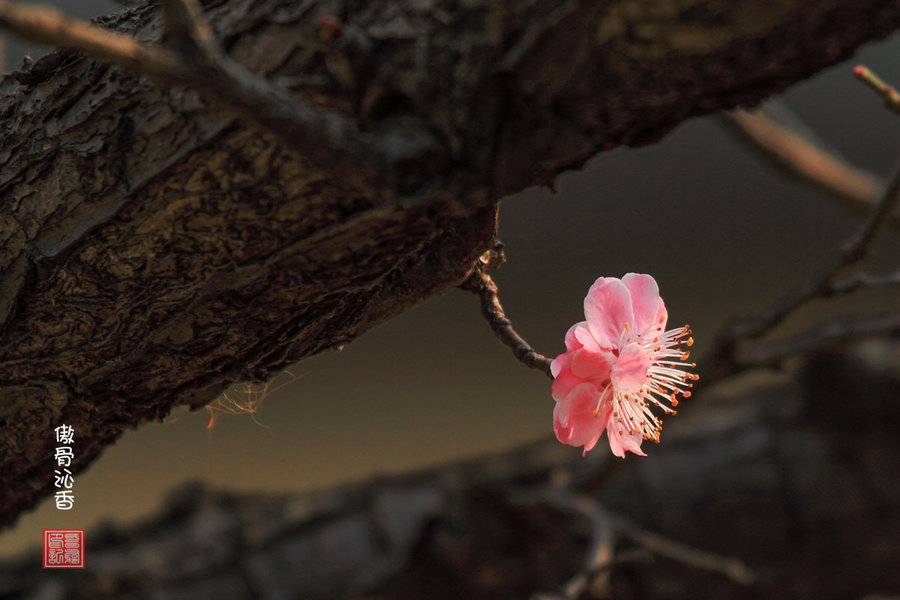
x=619, y=363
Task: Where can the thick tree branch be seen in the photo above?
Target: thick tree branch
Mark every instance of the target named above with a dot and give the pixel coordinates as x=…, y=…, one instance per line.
x=193, y=59
x=156, y=244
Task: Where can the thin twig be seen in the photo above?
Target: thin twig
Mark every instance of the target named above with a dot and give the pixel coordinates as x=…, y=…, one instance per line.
x=801, y=158
x=854, y=251
x=773, y=352
x=481, y=284
x=314, y=131
x=44, y=25
x=729, y=357
x=864, y=280
x=660, y=545
x=603, y=521
x=887, y=92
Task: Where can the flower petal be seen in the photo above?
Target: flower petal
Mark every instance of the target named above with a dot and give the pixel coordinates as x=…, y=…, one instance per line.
x=662, y=315
x=563, y=380
x=624, y=442
x=644, y=299
x=572, y=341
x=607, y=308
x=584, y=338
x=573, y=417
x=592, y=366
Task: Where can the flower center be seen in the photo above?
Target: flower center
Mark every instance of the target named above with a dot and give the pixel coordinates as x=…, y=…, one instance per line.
x=629, y=373
x=649, y=373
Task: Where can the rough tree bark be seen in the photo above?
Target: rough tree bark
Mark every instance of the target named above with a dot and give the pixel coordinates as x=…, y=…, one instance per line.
x=157, y=247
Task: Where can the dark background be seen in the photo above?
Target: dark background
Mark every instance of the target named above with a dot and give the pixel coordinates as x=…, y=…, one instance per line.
x=721, y=233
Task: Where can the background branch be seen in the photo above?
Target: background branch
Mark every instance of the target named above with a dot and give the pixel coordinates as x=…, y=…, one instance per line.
x=802, y=159
x=767, y=482
x=771, y=353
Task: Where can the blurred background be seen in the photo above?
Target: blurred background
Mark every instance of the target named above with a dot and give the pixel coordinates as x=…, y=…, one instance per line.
x=722, y=234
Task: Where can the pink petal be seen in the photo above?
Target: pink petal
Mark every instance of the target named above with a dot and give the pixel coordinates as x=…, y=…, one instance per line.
x=662, y=315
x=620, y=443
x=573, y=417
x=607, y=308
x=592, y=366
x=574, y=337
x=644, y=298
x=629, y=373
x=572, y=341
x=583, y=337
x=558, y=364
x=564, y=380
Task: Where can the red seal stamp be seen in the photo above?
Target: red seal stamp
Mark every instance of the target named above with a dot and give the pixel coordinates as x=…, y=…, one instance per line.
x=64, y=548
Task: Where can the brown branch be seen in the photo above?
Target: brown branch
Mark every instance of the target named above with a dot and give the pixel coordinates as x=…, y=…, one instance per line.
x=660, y=545
x=482, y=285
x=45, y=25
x=605, y=524
x=194, y=60
x=887, y=92
x=802, y=159
x=854, y=251
x=771, y=353
x=863, y=280
x=726, y=357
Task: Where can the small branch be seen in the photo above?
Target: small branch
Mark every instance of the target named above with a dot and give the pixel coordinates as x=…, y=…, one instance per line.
x=771, y=353
x=729, y=355
x=44, y=25
x=482, y=285
x=660, y=545
x=201, y=65
x=802, y=159
x=854, y=251
x=605, y=524
x=890, y=96
x=864, y=280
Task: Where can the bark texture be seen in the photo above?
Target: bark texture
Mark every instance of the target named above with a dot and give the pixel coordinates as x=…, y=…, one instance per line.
x=156, y=247
x=781, y=477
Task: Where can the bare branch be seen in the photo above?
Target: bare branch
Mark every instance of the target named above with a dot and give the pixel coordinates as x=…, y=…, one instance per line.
x=482, y=285
x=802, y=159
x=887, y=92
x=864, y=280
x=325, y=134
x=660, y=545
x=44, y=25
x=855, y=250
x=606, y=523
x=771, y=353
